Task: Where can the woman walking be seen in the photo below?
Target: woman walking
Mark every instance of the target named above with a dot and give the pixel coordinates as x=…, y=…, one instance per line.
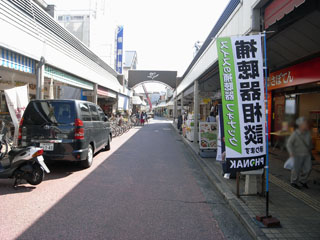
x=142, y=118
x=299, y=146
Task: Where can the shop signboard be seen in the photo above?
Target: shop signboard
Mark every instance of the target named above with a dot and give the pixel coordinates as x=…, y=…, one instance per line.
x=302, y=73
x=242, y=89
x=208, y=135
x=106, y=93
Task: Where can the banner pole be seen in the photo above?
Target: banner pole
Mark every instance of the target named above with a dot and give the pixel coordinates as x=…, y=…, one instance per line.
x=267, y=124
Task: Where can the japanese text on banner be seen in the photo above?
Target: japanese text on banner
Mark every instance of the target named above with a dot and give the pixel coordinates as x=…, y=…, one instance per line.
x=243, y=95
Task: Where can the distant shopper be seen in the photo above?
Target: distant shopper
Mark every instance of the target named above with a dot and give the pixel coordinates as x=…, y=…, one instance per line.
x=211, y=117
x=137, y=118
x=179, y=124
x=142, y=117
x=299, y=147
x=146, y=117
x=214, y=108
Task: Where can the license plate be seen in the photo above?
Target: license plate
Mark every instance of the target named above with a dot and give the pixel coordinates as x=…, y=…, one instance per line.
x=47, y=146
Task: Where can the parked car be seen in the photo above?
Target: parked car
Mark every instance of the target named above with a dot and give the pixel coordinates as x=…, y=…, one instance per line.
x=70, y=130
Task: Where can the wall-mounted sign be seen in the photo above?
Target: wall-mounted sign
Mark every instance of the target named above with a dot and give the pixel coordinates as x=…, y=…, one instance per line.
x=302, y=73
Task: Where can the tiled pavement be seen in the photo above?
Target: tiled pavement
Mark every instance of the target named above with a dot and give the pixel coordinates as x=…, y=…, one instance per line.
x=297, y=210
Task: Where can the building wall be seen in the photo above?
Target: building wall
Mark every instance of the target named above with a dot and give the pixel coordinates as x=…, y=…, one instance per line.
x=309, y=102
x=240, y=22
x=78, y=25
x=39, y=41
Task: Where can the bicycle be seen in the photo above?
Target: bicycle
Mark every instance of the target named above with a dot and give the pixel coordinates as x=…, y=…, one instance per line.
x=5, y=141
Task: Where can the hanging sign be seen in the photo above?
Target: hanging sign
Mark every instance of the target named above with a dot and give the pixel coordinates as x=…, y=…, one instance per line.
x=242, y=89
x=17, y=100
x=119, y=48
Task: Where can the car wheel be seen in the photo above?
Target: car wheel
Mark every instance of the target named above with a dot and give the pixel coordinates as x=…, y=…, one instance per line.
x=108, y=147
x=88, y=162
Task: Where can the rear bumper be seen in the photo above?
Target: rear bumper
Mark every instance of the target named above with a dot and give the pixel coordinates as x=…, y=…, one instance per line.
x=76, y=155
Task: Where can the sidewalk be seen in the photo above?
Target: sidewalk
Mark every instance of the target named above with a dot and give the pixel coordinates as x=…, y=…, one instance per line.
x=297, y=210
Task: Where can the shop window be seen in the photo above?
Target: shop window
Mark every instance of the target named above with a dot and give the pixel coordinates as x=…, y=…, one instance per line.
x=290, y=107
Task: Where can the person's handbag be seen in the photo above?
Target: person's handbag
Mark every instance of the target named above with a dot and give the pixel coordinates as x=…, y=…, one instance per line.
x=289, y=163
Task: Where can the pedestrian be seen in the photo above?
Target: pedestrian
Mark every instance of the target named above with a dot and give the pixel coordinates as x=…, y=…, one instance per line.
x=179, y=124
x=137, y=118
x=299, y=146
x=146, y=117
x=142, y=118
x=211, y=117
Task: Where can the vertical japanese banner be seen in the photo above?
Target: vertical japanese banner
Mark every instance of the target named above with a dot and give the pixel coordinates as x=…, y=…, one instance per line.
x=17, y=101
x=242, y=88
x=119, y=49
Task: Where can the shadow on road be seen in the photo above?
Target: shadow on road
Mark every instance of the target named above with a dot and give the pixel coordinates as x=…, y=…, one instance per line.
x=6, y=187
x=122, y=197
x=61, y=169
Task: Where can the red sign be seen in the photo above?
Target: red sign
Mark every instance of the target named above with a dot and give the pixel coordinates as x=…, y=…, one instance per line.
x=302, y=73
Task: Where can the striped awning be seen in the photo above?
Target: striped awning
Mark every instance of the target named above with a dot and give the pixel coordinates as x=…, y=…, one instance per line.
x=16, y=61
x=56, y=74
x=278, y=9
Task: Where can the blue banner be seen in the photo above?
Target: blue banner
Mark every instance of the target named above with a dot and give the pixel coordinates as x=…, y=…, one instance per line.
x=119, y=49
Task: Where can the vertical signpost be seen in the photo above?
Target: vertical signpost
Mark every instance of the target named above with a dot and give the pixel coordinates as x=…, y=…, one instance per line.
x=244, y=108
x=242, y=88
x=119, y=49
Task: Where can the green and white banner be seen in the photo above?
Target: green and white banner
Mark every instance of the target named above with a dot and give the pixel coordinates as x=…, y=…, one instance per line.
x=242, y=89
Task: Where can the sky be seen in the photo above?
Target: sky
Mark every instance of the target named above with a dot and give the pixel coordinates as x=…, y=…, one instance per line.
x=163, y=32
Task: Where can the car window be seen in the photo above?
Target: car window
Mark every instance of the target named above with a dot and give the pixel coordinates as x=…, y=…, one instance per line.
x=94, y=113
x=85, y=113
x=39, y=113
x=101, y=114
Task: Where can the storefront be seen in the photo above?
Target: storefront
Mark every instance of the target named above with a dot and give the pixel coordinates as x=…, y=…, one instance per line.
x=15, y=70
x=295, y=92
x=62, y=85
x=138, y=104
x=107, y=100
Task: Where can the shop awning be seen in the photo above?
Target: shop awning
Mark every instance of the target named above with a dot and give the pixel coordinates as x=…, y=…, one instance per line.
x=16, y=61
x=278, y=9
x=64, y=77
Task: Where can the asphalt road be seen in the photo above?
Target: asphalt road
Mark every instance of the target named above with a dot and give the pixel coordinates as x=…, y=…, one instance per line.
x=147, y=187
